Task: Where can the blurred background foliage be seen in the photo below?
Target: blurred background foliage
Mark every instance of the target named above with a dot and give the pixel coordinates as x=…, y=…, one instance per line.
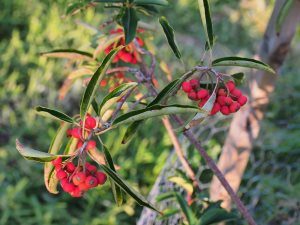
x=272, y=181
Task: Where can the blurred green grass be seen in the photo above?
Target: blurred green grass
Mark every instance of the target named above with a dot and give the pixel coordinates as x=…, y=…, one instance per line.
x=28, y=28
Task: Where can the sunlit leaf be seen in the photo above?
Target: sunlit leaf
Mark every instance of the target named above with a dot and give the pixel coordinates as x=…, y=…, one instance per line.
x=165, y=196
x=242, y=62
x=206, y=21
x=169, y=32
x=69, y=54
x=185, y=184
x=168, y=213
x=54, y=114
x=152, y=2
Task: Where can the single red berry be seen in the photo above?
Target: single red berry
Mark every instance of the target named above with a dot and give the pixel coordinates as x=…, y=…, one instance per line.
x=83, y=186
x=134, y=60
x=76, y=193
x=140, y=41
x=60, y=174
x=101, y=177
x=91, y=181
x=216, y=108
x=103, y=83
x=230, y=85
x=126, y=56
x=91, y=168
x=186, y=86
x=91, y=145
x=228, y=101
x=194, y=83
x=203, y=93
x=242, y=100
x=192, y=95
x=90, y=122
x=74, y=132
x=234, y=107
x=68, y=187
x=221, y=100
x=225, y=110
x=79, y=178
x=64, y=181
x=236, y=93
x=222, y=92
x=70, y=167
x=79, y=144
x=57, y=161
x=58, y=167
x=116, y=59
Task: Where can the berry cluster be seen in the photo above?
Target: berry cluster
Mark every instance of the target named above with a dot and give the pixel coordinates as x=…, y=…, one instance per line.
x=77, y=180
x=229, y=99
x=129, y=54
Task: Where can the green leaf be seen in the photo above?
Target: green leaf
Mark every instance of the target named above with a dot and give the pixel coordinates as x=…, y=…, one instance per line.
x=74, y=7
x=110, y=1
x=117, y=192
x=238, y=78
x=190, y=216
x=95, y=107
x=68, y=54
x=31, y=154
x=165, y=196
x=154, y=111
x=117, y=93
x=242, y=62
x=91, y=88
x=283, y=14
x=147, y=9
x=169, y=32
x=49, y=173
x=127, y=189
x=152, y=2
x=206, y=21
x=129, y=23
x=131, y=130
x=215, y=215
x=168, y=213
x=54, y=114
x=182, y=182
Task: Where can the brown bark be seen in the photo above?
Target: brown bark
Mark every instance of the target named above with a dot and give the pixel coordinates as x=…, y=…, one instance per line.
x=245, y=126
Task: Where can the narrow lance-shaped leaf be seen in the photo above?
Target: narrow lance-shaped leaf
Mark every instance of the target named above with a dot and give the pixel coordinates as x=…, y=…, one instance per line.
x=169, y=32
x=91, y=88
x=49, y=173
x=32, y=154
x=131, y=130
x=68, y=54
x=129, y=23
x=110, y=1
x=54, y=114
x=127, y=189
x=190, y=216
x=242, y=62
x=206, y=21
x=215, y=215
x=152, y=2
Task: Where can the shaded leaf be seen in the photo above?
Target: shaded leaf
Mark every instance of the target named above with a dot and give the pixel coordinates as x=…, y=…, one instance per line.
x=206, y=21
x=238, y=78
x=92, y=86
x=152, y=2
x=54, y=114
x=131, y=130
x=190, y=216
x=169, y=32
x=215, y=215
x=129, y=23
x=242, y=62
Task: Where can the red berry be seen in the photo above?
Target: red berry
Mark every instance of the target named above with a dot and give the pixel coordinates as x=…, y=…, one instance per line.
x=236, y=93
x=90, y=145
x=230, y=85
x=57, y=161
x=79, y=144
x=228, y=101
x=242, y=100
x=83, y=186
x=101, y=177
x=79, y=178
x=76, y=193
x=60, y=174
x=125, y=56
x=68, y=187
x=216, y=108
x=194, y=83
x=225, y=110
x=91, y=168
x=221, y=100
x=222, y=92
x=140, y=41
x=58, y=167
x=203, y=93
x=202, y=103
x=90, y=122
x=75, y=132
x=103, y=83
x=134, y=60
x=234, y=107
x=186, y=86
x=91, y=181
x=193, y=96
x=70, y=167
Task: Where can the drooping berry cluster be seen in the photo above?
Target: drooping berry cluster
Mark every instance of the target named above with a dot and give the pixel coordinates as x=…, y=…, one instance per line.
x=77, y=180
x=129, y=54
x=229, y=99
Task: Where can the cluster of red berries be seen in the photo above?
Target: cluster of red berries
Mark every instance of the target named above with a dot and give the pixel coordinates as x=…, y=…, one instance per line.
x=76, y=132
x=129, y=54
x=77, y=180
x=229, y=99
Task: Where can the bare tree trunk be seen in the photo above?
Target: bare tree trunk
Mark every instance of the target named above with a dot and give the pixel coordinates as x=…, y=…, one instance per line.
x=245, y=126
